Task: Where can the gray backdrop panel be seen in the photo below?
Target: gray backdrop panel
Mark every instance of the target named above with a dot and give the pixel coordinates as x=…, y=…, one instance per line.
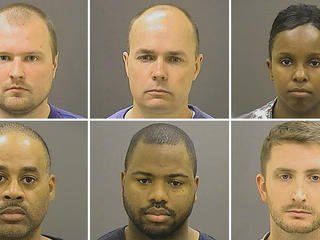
x=109, y=142
x=250, y=218
x=251, y=25
x=70, y=86
x=67, y=142
x=109, y=27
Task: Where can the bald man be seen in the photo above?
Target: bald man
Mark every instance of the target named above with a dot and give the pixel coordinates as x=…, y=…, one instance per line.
x=26, y=184
x=28, y=63
x=161, y=62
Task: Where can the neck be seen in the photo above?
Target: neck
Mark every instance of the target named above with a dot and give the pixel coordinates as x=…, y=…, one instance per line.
x=281, y=110
x=183, y=233
x=137, y=112
x=276, y=233
x=42, y=111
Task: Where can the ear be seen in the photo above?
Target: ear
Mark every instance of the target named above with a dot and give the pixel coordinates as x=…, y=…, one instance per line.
x=55, y=64
x=269, y=65
x=52, y=187
x=261, y=184
x=198, y=63
x=125, y=57
x=196, y=180
x=122, y=179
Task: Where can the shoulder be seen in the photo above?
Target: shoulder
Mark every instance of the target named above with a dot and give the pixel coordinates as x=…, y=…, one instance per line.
x=203, y=236
x=117, y=234
x=120, y=114
x=198, y=112
x=264, y=112
x=53, y=238
x=60, y=113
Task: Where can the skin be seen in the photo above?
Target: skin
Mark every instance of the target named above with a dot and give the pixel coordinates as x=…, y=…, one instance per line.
x=295, y=72
x=159, y=174
x=27, y=68
x=161, y=65
x=291, y=188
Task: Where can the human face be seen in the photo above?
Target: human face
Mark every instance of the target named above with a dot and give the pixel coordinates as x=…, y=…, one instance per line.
x=26, y=65
x=292, y=187
x=295, y=70
x=161, y=65
x=25, y=186
x=159, y=189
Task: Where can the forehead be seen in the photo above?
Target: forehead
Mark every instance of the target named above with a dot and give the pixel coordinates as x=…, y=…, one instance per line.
x=160, y=159
x=31, y=33
x=18, y=150
x=296, y=156
x=304, y=38
x=164, y=28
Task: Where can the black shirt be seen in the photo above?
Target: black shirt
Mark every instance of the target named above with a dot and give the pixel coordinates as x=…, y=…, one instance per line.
x=118, y=234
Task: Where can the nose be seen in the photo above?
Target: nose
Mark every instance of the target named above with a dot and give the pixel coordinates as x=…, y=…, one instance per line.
x=13, y=191
x=299, y=194
x=17, y=70
x=300, y=74
x=159, y=73
x=158, y=193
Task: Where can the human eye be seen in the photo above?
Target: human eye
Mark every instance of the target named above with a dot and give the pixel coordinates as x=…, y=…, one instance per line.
x=285, y=177
x=286, y=61
x=146, y=58
x=2, y=178
x=4, y=58
x=31, y=58
x=314, y=63
x=175, y=59
x=315, y=178
x=144, y=181
x=28, y=179
x=176, y=183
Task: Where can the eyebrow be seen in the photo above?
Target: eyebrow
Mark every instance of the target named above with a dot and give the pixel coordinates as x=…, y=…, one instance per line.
x=313, y=170
x=172, y=53
x=144, y=51
x=150, y=175
x=30, y=169
x=24, y=53
x=285, y=170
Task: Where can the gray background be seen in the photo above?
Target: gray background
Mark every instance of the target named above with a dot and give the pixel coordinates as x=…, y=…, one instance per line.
x=251, y=25
x=70, y=86
x=67, y=143
x=109, y=142
x=109, y=26
x=250, y=218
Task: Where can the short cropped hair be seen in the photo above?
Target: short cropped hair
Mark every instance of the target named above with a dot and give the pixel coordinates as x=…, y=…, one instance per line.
x=162, y=133
x=300, y=132
x=292, y=17
x=20, y=128
x=19, y=12
x=194, y=25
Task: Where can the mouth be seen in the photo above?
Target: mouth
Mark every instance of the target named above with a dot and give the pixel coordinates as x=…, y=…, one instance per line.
x=16, y=89
x=12, y=214
x=158, y=91
x=298, y=213
x=157, y=215
x=300, y=92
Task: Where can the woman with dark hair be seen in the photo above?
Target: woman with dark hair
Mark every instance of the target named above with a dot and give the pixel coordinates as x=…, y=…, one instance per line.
x=294, y=64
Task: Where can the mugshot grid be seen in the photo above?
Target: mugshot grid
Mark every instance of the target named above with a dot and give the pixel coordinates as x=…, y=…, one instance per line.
x=237, y=186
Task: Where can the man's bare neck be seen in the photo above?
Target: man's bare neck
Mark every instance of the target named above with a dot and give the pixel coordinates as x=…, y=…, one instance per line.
x=42, y=111
x=184, y=233
x=136, y=112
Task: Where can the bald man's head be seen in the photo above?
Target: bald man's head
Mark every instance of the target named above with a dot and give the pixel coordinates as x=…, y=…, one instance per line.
x=165, y=15
x=8, y=128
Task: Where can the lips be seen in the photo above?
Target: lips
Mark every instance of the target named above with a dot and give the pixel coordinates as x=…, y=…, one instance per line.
x=157, y=212
x=12, y=214
x=157, y=90
x=16, y=88
x=300, y=90
x=12, y=210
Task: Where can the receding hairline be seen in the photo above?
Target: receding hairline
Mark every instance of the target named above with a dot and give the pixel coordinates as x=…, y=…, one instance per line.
x=21, y=13
x=167, y=7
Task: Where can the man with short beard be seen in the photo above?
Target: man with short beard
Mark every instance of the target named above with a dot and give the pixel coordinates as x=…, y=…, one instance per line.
x=159, y=186
x=26, y=184
x=289, y=181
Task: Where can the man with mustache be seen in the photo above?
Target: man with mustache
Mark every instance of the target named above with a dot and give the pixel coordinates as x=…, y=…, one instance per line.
x=28, y=63
x=162, y=61
x=26, y=184
x=159, y=186
x=289, y=181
